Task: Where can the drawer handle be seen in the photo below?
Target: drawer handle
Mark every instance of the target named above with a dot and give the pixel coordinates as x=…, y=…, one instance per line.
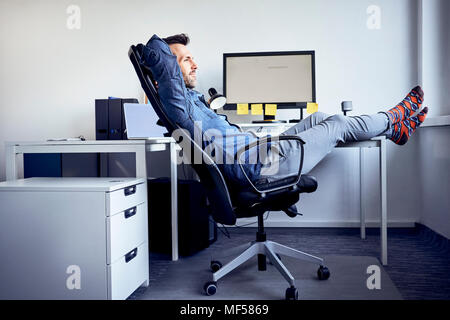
x=130, y=212
x=131, y=255
x=129, y=191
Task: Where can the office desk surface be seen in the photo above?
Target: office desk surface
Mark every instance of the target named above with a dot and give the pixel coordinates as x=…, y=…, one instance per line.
x=93, y=142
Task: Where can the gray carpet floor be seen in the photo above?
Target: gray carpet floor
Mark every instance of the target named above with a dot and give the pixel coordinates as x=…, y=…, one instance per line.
x=183, y=280
x=419, y=266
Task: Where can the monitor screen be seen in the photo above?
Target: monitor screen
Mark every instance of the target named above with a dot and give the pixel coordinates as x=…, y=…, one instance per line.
x=283, y=78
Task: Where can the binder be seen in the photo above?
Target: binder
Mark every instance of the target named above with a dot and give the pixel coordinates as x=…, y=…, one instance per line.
x=109, y=118
x=115, y=116
x=101, y=119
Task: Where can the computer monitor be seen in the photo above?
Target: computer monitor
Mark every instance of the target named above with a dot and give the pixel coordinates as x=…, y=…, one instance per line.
x=285, y=78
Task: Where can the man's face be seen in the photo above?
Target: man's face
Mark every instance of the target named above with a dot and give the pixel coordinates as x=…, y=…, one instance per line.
x=187, y=65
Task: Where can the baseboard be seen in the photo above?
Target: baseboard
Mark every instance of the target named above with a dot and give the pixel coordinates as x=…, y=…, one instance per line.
x=430, y=233
x=324, y=224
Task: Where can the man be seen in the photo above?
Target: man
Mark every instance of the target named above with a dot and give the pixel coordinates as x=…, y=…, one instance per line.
x=320, y=132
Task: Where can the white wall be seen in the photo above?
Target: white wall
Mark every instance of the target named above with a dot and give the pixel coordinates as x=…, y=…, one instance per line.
x=434, y=175
x=50, y=75
x=433, y=165
x=435, y=61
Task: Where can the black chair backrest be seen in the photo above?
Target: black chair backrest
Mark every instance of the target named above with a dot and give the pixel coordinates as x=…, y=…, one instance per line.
x=210, y=175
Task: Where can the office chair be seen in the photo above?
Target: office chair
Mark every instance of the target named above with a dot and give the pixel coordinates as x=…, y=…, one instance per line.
x=253, y=201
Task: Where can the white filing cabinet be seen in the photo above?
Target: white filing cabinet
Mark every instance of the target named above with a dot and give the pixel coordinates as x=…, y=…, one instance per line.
x=73, y=238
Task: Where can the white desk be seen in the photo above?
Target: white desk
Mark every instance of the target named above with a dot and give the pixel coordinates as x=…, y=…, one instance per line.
x=377, y=142
x=380, y=143
x=139, y=147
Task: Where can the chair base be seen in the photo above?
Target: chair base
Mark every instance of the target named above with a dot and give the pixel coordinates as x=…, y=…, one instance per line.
x=271, y=250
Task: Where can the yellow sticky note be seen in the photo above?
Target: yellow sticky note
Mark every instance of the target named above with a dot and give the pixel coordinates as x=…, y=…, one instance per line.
x=257, y=108
x=271, y=109
x=242, y=108
x=312, y=107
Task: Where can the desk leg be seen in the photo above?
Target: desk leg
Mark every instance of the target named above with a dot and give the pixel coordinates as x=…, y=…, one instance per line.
x=174, y=200
x=10, y=165
x=383, y=184
x=141, y=164
x=362, y=201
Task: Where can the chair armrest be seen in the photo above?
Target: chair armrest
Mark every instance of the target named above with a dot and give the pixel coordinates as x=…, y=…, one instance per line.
x=277, y=184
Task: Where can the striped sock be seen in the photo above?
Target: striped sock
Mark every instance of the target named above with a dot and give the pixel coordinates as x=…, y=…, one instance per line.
x=407, y=107
x=403, y=130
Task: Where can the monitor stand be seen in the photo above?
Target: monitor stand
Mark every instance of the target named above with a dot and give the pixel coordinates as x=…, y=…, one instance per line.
x=301, y=115
x=269, y=119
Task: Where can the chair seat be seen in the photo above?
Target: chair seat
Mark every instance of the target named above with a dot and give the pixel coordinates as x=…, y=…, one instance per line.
x=306, y=184
x=249, y=203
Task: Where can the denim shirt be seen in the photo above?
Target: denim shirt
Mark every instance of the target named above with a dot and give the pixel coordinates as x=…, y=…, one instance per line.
x=190, y=111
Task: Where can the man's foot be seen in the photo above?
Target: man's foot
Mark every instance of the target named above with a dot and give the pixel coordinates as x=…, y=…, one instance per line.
x=404, y=129
x=407, y=107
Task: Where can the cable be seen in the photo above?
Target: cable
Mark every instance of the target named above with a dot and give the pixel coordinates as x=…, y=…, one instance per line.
x=250, y=223
x=184, y=170
x=227, y=233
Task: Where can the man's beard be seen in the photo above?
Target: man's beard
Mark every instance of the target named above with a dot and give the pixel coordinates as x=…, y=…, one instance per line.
x=190, y=81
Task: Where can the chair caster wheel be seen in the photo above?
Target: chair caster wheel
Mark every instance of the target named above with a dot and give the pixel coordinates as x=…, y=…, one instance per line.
x=323, y=273
x=291, y=293
x=210, y=288
x=215, y=265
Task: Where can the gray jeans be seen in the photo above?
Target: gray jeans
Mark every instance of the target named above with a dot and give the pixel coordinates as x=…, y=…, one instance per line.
x=322, y=132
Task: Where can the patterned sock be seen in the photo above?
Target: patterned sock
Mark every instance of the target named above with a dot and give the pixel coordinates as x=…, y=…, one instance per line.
x=404, y=129
x=407, y=107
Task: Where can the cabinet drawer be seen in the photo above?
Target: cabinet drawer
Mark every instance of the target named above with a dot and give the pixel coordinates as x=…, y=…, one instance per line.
x=125, y=198
x=128, y=273
x=125, y=231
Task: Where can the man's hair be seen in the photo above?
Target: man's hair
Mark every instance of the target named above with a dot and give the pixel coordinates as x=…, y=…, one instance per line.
x=181, y=38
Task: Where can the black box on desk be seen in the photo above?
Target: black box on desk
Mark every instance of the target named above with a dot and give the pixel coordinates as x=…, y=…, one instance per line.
x=110, y=125
x=195, y=230
x=109, y=118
